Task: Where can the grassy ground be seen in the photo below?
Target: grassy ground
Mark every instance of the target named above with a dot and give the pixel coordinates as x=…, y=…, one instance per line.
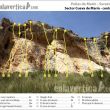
x=75, y=83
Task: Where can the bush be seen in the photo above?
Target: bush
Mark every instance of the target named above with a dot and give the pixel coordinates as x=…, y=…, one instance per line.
x=36, y=83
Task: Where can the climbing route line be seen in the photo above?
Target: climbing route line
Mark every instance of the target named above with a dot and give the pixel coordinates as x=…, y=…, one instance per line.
x=19, y=33
x=10, y=56
x=13, y=29
x=26, y=74
x=30, y=22
x=45, y=33
x=47, y=51
x=106, y=41
x=65, y=50
x=55, y=53
x=90, y=63
x=30, y=29
x=95, y=44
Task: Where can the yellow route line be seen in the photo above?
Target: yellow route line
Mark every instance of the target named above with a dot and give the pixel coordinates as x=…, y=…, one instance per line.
x=65, y=50
x=10, y=57
x=95, y=43
x=85, y=41
x=55, y=37
x=19, y=33
x=45, y=32
x=106, y=40
x=30, y=22
x=46, y=52
x=45, y=65
x=3, y=73
x=13, y=29
x=26, y=74
x=45, y=68
x=30, y=29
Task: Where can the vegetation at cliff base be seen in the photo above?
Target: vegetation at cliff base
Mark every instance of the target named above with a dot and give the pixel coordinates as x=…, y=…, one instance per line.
x=75, y=83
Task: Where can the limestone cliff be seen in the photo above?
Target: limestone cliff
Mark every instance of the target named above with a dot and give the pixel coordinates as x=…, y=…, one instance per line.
x=36, y=46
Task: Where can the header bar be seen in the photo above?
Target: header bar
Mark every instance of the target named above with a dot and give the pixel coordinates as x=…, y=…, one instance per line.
x=55, y=5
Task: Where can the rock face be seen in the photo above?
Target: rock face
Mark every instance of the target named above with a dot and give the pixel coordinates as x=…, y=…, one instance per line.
x=37, y=46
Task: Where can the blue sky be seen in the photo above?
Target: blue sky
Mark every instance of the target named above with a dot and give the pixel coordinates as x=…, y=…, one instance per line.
x=85, y=24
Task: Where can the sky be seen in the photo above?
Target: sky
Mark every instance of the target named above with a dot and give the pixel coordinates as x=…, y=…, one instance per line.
x=85, y=24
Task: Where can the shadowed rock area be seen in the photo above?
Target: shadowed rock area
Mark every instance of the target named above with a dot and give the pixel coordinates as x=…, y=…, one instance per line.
x=37, y=46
